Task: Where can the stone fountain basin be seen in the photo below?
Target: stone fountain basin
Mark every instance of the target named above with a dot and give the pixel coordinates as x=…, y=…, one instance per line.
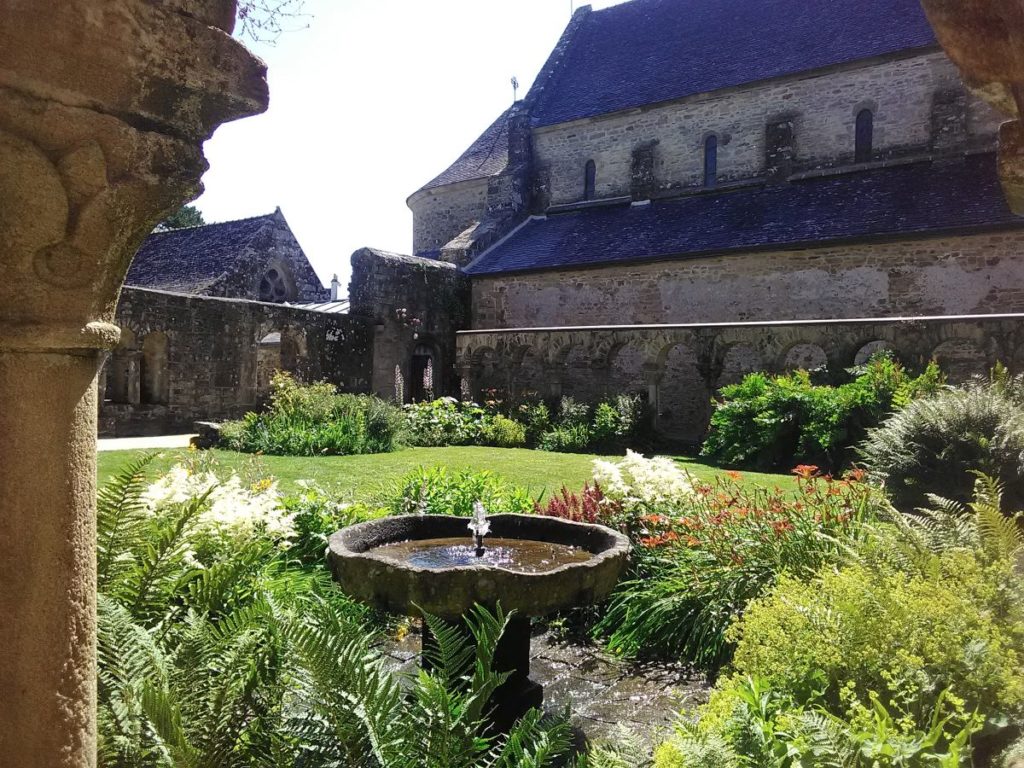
x=450, y=592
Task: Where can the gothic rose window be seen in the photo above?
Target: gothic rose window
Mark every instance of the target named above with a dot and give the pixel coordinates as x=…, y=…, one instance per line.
x=273, y=287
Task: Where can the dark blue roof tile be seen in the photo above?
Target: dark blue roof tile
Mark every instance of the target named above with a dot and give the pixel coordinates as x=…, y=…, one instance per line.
x=648, y=51
x=486, y=157
x=193, y=260
x=907, y=200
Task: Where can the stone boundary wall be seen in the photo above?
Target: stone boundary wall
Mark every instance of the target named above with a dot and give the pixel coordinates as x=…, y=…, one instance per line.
x=213, y=358
x=959, y=275
x=678, y=367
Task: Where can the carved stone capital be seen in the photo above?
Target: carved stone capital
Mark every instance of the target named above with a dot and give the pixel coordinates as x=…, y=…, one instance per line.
x=100, y=138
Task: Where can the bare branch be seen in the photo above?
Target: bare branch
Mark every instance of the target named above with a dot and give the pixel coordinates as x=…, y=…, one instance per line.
x=264, y=21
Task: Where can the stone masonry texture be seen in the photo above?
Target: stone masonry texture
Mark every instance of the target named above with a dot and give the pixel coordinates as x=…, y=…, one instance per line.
x=213, y=356
x=943, y=276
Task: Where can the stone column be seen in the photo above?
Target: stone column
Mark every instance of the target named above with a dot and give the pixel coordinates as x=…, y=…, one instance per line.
x=104, y=105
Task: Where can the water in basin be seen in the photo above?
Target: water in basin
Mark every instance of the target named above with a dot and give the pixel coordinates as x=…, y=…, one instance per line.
x=522, y=555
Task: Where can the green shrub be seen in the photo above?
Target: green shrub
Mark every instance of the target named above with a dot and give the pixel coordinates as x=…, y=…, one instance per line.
x=854, y=634
x=616, y=423
x=504, y=433
x=441, y=491
x=314, y=420
x=699, y=564
x=445, y=422
x=748, y=723
x=933, y=444
x=566, y=439
x=772, y=421
x=572, y=413
x=536, y=417
x=316, y=515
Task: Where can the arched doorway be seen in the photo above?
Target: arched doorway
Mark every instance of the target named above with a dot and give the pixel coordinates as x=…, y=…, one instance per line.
x=422, y=373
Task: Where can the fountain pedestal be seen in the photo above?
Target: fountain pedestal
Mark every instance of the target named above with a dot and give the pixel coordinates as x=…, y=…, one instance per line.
x=519, y=693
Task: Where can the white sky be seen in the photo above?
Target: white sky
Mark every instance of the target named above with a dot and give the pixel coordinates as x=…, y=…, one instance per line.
x=367, y=104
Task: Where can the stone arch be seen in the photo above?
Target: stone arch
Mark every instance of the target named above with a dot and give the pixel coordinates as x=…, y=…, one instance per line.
x=684, y=401
x=155, y=387
x=122, y=370
x=529, y=375
x=484, y=370
x=960, y=359
x=804, y=356
x=423, y=373
x=578, y=374
x=870, y=349
x=268, y=360
x=626, y=369
x=739, y=360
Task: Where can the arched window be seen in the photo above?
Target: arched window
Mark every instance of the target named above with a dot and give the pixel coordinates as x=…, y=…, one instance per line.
x=710, y=161
x=155, y=382
x=865, y=136
x=589, y=180
x=274, y=287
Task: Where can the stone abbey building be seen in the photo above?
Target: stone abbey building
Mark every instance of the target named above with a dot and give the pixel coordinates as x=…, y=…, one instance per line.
x=691, y=190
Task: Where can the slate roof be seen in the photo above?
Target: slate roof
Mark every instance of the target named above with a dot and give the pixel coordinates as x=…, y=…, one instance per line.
x=648, y=51
x=486, y=157
x=193, y=260
x=908, y=200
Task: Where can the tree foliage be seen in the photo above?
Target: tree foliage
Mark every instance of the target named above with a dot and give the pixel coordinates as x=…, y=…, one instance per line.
x=185, y=217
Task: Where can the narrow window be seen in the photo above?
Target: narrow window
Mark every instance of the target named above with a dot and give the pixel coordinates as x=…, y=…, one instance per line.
x=589, y=180
x=710, y=161
x=865, y=136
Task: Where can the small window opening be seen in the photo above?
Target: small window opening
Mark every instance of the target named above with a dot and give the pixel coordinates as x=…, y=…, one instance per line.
x=865, y=136
x=589, y=180
x=710, y=161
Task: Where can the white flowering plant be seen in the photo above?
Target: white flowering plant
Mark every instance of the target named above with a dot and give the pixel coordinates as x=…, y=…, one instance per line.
x=637, y=486
x=229, y=513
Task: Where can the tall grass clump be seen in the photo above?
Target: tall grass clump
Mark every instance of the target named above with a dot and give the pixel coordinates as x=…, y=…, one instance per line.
x=935, y=443
x=315, y=420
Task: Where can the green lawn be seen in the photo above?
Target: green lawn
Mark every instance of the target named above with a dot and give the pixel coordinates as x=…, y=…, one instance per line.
x=361, y=477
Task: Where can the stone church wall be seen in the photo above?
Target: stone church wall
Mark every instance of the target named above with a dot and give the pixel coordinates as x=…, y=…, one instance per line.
x=822, y=108
x=678, y=368
x=188, y=358
x=974, y=274
x=442, y=213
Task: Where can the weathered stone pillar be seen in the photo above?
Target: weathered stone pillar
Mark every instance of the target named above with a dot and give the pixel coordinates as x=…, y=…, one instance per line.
x=104, y=105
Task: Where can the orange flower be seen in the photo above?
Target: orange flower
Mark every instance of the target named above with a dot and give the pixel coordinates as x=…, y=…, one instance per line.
x=806, y=471
x=734, y=475
x=857, y=475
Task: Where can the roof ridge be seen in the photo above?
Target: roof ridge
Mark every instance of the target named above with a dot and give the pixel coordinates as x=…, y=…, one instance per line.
x=214, y=224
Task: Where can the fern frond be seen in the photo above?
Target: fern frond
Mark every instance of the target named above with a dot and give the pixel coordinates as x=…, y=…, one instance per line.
x=120, y=519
